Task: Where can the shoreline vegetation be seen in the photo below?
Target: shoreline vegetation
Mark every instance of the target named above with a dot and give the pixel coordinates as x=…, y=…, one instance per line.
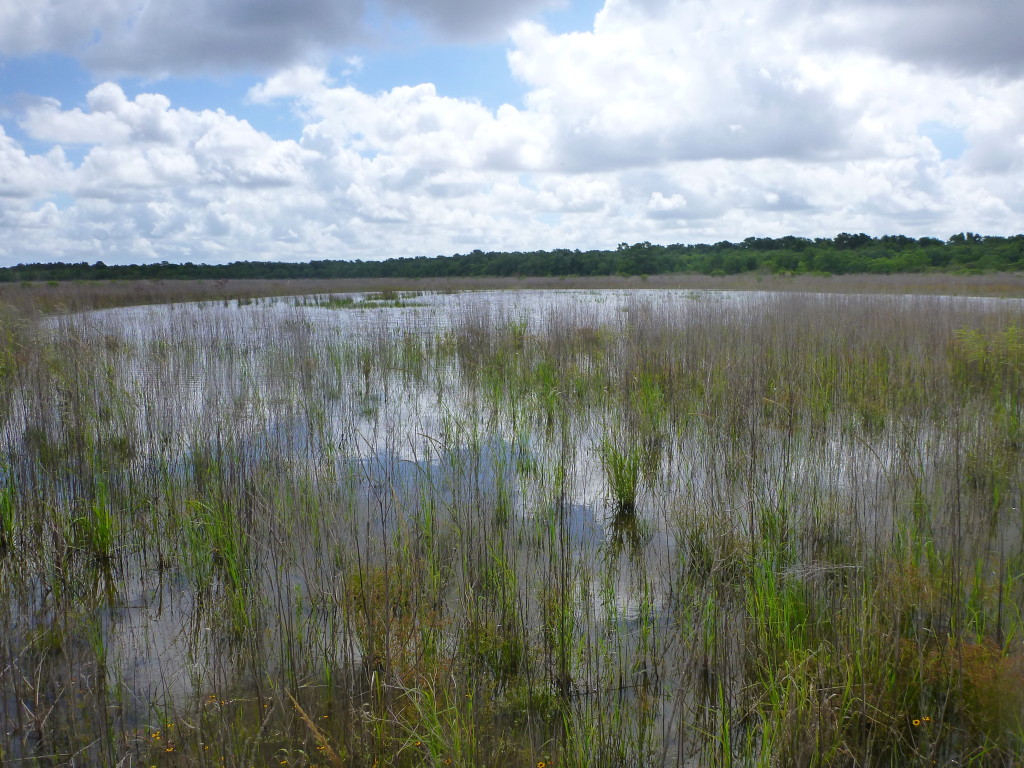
x=965, y=252
x=670, y=529
x=79, y=296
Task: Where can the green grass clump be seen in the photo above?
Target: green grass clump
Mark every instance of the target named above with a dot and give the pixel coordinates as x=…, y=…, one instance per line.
x=622, y=468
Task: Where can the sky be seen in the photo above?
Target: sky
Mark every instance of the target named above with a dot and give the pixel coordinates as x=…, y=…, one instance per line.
x=210, y=131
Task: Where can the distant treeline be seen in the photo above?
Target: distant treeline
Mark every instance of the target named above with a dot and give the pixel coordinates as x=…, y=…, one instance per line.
x=845, y=253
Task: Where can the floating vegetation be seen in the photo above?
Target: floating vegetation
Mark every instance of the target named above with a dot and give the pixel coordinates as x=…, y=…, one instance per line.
x=387, y=299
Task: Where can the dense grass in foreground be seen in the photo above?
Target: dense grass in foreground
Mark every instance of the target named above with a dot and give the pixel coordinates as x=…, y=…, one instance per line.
x=681, y=531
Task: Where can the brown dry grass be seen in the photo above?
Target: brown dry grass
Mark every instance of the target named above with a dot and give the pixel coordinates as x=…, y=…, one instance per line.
x=81, y=295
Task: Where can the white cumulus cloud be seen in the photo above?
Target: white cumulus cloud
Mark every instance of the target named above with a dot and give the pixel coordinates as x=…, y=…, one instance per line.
x=666, y=121
x=159, y=37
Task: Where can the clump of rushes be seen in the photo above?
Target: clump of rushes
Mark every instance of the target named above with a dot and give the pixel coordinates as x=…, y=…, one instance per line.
x=7, y=520
x=622, y=468
x=96, y=528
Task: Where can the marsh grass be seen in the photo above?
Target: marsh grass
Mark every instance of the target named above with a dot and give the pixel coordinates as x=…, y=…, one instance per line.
x=785, y=531
x=386, y=299
x=622, y=467
x=77, y=296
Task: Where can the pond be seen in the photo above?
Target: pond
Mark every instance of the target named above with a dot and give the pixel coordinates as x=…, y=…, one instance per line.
x=585, y=527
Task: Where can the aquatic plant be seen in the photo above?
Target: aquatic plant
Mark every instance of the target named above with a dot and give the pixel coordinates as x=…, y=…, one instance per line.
x=583, y=529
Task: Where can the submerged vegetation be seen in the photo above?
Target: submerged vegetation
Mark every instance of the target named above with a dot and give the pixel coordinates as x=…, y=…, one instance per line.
x=586, y=529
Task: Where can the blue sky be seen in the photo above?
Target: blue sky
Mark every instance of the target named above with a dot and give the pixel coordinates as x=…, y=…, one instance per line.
x=218, y=130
